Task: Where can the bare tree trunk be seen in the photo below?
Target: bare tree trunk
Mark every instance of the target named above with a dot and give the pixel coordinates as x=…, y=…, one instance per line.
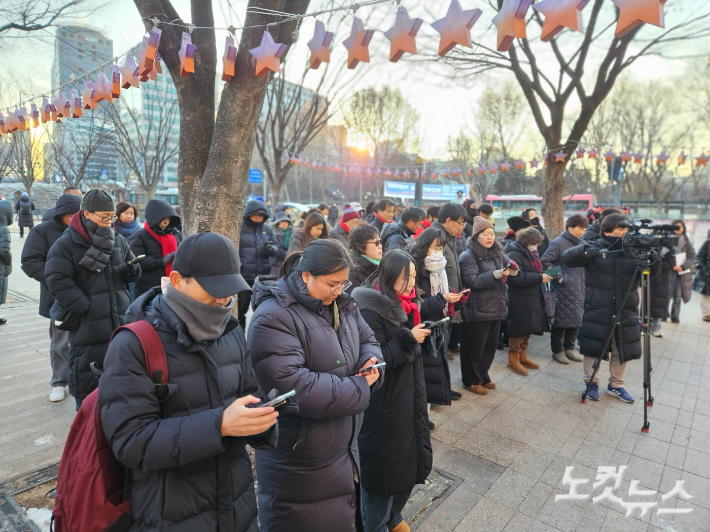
x=552, y=205
x=275, y=194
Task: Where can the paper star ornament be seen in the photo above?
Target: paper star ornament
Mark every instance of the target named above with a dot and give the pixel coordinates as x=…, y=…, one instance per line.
x=626, y=156
x=406, y=174
x=378, y=173
x=145, y=63
x=187, y=55
x=560, y=14
x=560, y=156
x=505, y=167
x=268, y=55
x=593, y=153
x=580, y=152
x=102, y=89
x=435, y=174
x=319, y=45
x=402, y=35
x=388, y=173
x=357, y=44
x=87, y=93
x=682, y=158
x=662, y=158
x=510, y=22
x=115, y=81
x=534, y=162
x=3, y=126
x=493, y=169
x=633, y=13
x=609, y=156
x=63, y=106
x=75, y=100
x=455, y=27
x=638, y=157
x=129, y=73
x=482, y=170
x=34, y=115
x=45, y=111
x=457, y=172
x=229, y=59
x=520, y=164
x=702, y=160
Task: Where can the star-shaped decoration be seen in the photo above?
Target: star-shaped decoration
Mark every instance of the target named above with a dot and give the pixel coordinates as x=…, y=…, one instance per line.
x=702, y=160
x=396, y=174
x=357, y=44
x=638, y=157
x=152, y=42
x=63, y=106
x=45, y=111
x=229, y=59
x=88, y=95
x=456, y=172
x=406, y=174
x=505, y=167
x=402, y=35
x=560, y=14
x=626, y=156
x=378, y=173
x=388, y=173
x=534, y=162
x=435, y=174
x=447, y=173
x=319, y=45
x=470, y=171
x=593, y=153
x=145, y=63
x=493, y=169
x=633, y=13
x=662, y=158
x=307, y=163
x=682, y=158
x=482, y=170
x=609, y=156
x=510, y=22
x=115, y=81
x=102, y=89
x=368, y=173
x=75, y=100
x=129, y=73
x=268, y=55
x=580, y=152
x=10, y=123
x=520, y=164
x=455, y=27
x=423, y=174
x=55, y=111
x=3, y=126
x=560, y=156
x=187, y=55
x=34, y=115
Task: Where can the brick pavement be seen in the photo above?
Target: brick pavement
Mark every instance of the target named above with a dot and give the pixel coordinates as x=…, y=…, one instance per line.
x=510, y=447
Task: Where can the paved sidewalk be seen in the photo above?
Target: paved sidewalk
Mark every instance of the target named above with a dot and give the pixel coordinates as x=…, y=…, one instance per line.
x=510, y=447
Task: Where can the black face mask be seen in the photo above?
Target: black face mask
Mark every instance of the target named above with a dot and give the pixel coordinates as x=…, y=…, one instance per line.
x=535, y=221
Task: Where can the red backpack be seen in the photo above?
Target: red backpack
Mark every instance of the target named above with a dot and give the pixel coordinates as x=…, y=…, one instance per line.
x=90, y=483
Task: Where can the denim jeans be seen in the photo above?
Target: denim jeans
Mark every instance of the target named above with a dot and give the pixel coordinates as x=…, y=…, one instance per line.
x=381, y=513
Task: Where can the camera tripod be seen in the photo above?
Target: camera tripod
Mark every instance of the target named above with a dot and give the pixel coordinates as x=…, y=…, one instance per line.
x=644, y=271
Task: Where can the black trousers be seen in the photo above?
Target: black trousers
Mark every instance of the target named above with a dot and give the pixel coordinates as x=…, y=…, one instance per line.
x=243, y=302
x=478, y=348
x=563, y=339
x=455, y=337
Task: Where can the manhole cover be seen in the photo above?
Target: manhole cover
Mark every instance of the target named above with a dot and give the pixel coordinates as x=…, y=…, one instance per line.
x=425, y=498
x=24, y=496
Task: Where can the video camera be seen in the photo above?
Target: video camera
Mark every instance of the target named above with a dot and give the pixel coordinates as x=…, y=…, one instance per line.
x=656, y=237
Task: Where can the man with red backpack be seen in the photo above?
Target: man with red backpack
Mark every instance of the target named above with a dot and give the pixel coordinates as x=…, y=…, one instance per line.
x=188, y=468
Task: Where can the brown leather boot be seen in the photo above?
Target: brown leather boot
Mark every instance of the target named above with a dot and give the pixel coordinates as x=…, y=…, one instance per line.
x=526, y=362
x=514, y=364
x=490, y=385
x=477, y=388
x=401, y=527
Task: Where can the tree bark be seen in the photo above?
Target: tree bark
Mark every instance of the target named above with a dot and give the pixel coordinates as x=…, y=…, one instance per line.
x=552, y=205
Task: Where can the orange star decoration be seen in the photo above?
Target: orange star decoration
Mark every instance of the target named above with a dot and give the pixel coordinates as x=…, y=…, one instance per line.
x=75, y=101
x=681, y=158
x=633, y=13
x=63, y=106
x=510, y=22
x=129, y=73
x=470, y=171
x=102, y=89
x=482, y=170
x=87, y=94
x=268, y=55
x=520, y=164
x=560, y=156
x=702, y=160
x=115, y=81
x=229, y=59
x=402, y=35
x=357, y=44
x=493, y=169
x=378, y=173
x=447, y=173
x=187, y=55
x=662, y=158
x=626, y=156
x=455, y=27
x=435, y=174
x=320, y=45
x=152, y=43
x=145, y=63
x=593, y=153
x=638, y=158
x=34, y=115
x=580, y=152
x=534, y=162
x=560, y=14
x=46, y=111
x=388, y=173
x=609, y=156
x=505, y=167
x=3, y=126
x=406, y=174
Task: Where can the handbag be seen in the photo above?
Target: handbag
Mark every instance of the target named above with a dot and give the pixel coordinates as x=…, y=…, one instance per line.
x=433, y=342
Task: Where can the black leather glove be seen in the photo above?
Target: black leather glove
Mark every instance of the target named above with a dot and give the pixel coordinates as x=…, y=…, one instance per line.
x=127, y=268
x=167, y=258
x=268, y=249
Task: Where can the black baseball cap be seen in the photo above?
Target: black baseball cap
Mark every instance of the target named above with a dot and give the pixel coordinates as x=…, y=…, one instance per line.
x=213, y=261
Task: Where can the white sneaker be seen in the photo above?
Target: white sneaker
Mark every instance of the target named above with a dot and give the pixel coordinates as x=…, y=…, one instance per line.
x=57, y=394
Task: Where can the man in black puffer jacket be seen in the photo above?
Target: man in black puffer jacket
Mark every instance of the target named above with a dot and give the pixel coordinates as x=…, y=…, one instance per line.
x=88, y=272
x=34, y=258
x=400, y=234
x=189, y=469
x=156, y=262
x=256, y=247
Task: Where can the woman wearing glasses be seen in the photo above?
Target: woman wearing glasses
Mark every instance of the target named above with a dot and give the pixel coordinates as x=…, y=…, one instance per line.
x=307, y=335
x=365, y=252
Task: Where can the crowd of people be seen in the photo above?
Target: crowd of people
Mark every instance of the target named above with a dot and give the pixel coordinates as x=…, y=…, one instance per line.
x=357, y=320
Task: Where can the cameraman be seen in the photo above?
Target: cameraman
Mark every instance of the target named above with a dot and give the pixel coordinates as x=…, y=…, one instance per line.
x=611, y=290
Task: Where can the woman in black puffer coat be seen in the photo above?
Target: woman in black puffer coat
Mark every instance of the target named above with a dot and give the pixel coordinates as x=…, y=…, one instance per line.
x=365, y=252
x=680, y=288
x=395, y=446
x=702, y=278
x=306, y=335
x=158, y=241
x=526, y=299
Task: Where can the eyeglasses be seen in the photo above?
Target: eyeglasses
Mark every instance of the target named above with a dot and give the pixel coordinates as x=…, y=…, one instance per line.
x=377, y=242
x=107, y=219
x=342, y=287
x=461, y=223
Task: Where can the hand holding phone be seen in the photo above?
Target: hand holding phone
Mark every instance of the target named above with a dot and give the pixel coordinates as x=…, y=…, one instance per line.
x=432, y=324
x=367, y=369
x=275, y=403
x=136, y=260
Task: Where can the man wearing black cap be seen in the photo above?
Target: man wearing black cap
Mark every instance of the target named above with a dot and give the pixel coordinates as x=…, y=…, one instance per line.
x=189, y=466
x=87, y=272
x=34, y=257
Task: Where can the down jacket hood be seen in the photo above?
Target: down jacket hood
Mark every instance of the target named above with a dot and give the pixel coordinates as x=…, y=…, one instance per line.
x=157, y=210
x=66, y=204
x=5, y=213
x=370, y=299
x=256, y=207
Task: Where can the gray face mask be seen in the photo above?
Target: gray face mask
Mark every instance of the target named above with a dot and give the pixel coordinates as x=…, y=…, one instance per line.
x=203, y=322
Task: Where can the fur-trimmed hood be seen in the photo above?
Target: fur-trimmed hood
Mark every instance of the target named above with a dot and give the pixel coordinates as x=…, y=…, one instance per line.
x=496, y=250
x=370, y=299
x=529, y=237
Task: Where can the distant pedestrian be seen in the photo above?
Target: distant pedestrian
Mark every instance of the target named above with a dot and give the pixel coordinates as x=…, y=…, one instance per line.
x=25, y=209
x=74, y=191
x=349, y=221
x=314, y=228
x=282, y=231
x=680, y=289
x=5, y=252
x=365, y=252
x=384, y=211
x=400, y=235
x=702, y=278
x=532, y=216
x=127, y=222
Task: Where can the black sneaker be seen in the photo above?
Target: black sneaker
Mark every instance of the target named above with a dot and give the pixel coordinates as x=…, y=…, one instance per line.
x=455, y=396
x=675, y=320
x=3, y=321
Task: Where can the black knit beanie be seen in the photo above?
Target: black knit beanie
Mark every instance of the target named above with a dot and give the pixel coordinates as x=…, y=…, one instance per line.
x=97, y=200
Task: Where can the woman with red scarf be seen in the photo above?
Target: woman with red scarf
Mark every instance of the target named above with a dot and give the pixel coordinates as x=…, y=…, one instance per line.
x=158, y=241
x=395, y=447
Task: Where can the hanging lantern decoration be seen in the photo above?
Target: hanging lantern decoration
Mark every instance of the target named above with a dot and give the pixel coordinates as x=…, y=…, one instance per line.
x=320, y=45
x=457, y=172
x=493, y=169
x=482, y=170
x=352, y=171
x=115, y=81
x=593, y=153
x=435, y=174
x=560, y=14
x=102, y=89
x=34, y=115
x=75, y=100
x=423, y=174
x=662, y=158
x=368, y=173
x=633, y=13
x=320, y=165
x=505, y=167
x=534, y=162
x=336, y=169
x=55, y=110
x=609, y=156
x=229, y=59
x=510, y=22
x=388, y=173
x=447, y=173
x=580, y=152
x=378, y=173
x=357, y=43
x=702, y=160
x=21, y=117
x=402, y=35
x=470, y=171
x=520, y=164
x=455, y=27
x=416, y=174
x=145, y=63
x=129, y=74
x=152, y=42
x=330, y=167
x=3, y=127
x=187, y=55
x=46, y=111
x=560, y=156
x=638, y=158
x=88, y=95
x=626, y=156
x=396, y=174
x=63, y=105
x=682, y=158
x=406, y=174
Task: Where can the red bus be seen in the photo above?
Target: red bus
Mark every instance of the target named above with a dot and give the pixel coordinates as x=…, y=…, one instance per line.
x=506, y=206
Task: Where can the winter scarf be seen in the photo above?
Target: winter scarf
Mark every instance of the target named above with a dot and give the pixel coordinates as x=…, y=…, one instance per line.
x=436, y=266
x=408, y=305
x=167, y=242
x=380, y=218
x=125, y=229
x=102, y=240
x=376, y=262
x=536, y=264
x=204, y=322
x=345, y=227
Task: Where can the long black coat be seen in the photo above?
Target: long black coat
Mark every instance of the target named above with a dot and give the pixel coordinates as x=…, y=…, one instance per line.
x=488, y=299
x=395, y=445
x=38, y=243
x=5, y=252
x=307, y=483
x=526, y=303
x=608, y=280
x=252, y=255
x=570, y=293
x=361, y=270
x=660, y=295
x=101, y=305
x=702, y=261
x=436, y=370
x=592, y=231
x=25, y=220
x=143, y=243
x=185, y=476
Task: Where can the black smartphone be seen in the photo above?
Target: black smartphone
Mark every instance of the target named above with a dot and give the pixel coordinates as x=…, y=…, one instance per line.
x=137, y=259
x=276, y=402
x=364, y=370
x=431, y=324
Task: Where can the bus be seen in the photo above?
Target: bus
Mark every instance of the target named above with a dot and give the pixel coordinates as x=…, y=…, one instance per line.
x=506, y=206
